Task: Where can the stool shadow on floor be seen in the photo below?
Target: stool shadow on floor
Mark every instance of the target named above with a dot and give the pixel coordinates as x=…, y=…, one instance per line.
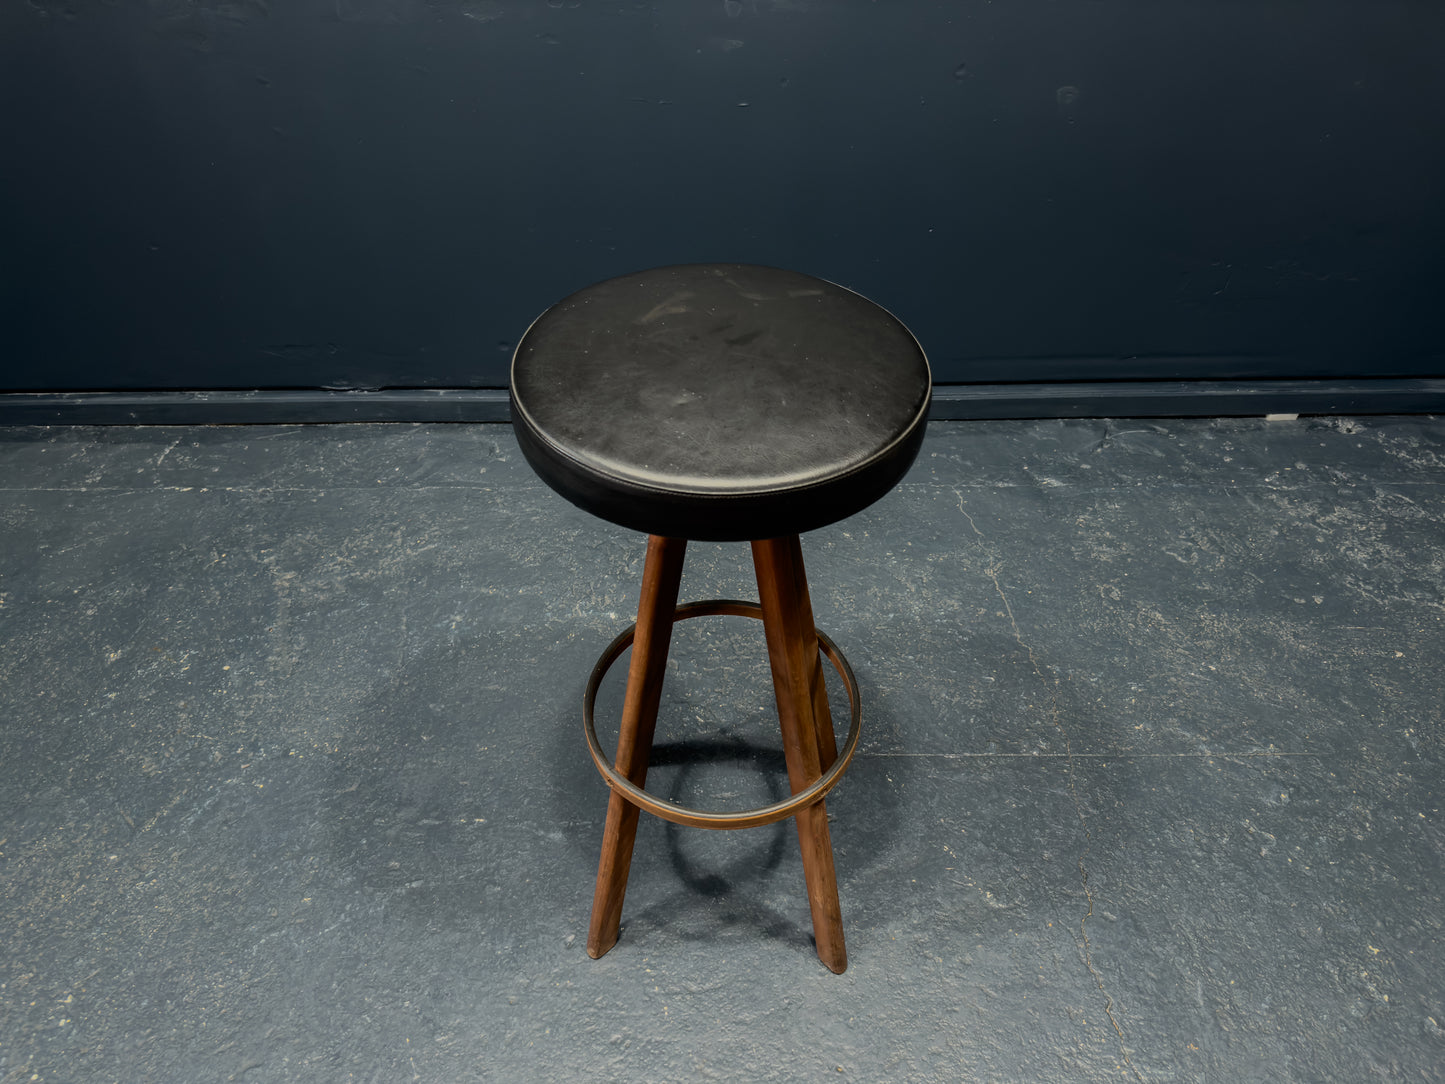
x=718, y=748
x=728, y=885
x=738, y=885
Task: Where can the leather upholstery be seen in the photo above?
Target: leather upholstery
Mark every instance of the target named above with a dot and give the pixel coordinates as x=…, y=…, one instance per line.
x=723, y=402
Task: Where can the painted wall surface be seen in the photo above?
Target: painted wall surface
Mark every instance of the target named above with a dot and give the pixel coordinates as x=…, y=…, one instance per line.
x=368, y=193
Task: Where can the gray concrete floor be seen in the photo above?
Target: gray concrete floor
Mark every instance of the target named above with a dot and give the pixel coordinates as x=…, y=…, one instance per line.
x=293, y=788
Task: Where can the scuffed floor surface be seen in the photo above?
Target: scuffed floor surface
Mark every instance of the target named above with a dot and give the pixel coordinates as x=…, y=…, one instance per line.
x=293, y=787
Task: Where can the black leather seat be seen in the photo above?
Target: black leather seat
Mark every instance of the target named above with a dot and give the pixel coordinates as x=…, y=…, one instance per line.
x=728, y=403
x=719, y=401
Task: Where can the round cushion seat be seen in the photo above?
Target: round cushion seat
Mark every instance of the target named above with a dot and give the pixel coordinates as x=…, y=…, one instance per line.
x=721, y=402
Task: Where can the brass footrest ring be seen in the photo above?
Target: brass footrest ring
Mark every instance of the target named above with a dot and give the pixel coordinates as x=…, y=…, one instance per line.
x=743, y=818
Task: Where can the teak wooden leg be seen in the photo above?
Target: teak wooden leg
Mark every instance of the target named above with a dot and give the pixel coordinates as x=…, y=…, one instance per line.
x=822, y=714
x=660, y=579
x=798, y=682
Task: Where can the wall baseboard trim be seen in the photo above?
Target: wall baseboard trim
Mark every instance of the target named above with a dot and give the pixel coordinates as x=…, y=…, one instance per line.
x=1114, y=399
x=264, y=407
x=1188, y=398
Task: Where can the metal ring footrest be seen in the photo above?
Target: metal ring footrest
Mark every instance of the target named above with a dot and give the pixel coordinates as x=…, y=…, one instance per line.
x=697, y=818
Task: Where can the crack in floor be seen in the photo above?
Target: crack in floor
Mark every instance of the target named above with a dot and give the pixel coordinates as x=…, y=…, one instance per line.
x=1054, y=717
x=959, y=494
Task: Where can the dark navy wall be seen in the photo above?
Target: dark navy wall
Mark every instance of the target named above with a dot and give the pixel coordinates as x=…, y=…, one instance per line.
x=368, y=193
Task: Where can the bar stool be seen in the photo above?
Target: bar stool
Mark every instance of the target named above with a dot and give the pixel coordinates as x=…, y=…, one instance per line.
x=721, y=402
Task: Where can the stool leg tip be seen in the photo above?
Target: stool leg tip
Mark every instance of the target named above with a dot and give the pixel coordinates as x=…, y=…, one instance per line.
x=837, y=964
x=599, y=948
